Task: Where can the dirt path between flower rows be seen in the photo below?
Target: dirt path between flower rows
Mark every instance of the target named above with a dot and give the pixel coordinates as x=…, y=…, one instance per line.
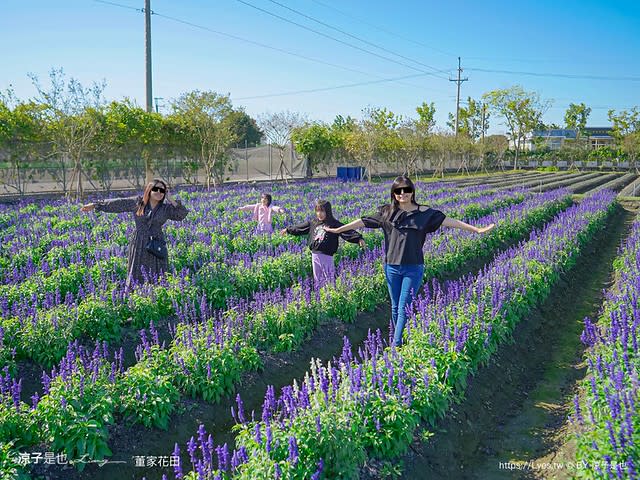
x=513, y=421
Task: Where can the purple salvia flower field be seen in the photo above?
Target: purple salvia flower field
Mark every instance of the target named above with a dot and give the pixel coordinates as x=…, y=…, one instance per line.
x=118, y=356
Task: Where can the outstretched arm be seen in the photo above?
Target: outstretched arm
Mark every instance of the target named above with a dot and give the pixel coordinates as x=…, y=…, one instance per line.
x=116, y=205
x=279, y=209
x=246, y=208
x=453, y=223
x=349, y=226
x=353, y=237
x=300, y=229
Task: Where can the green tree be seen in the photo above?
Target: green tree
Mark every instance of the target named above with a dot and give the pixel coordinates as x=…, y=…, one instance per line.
x=426, y=117
x=376, y=138
x=244, y=128
x=21, y=139
x=412, y=141
x=344, y=124
x=388, y=142
x=131, y=132
x=207, y=135
x=624, y=123
x=576, y=117
x=574, y=151
x=631, y=147
x=522, y=112
x=316, y=141
x=494, y=148
x=473, y=120
x=443, y=147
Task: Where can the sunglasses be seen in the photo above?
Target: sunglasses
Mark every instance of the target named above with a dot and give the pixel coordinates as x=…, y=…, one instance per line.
x=401, y=190
x=159, y=189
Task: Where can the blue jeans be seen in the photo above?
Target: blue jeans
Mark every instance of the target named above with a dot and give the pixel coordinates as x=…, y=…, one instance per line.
x=403, y=282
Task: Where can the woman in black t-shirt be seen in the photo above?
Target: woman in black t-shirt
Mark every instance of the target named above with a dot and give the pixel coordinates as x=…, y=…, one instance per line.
x=405, y=224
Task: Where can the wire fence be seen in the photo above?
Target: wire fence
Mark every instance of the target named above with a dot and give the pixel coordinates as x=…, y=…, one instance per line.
x=261, y=163
x=55, y=176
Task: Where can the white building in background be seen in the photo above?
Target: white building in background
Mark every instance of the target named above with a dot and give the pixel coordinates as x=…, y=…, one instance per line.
x=599, y=136
x=555, y=138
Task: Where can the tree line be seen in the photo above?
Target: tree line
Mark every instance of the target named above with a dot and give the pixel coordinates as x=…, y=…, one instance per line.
x=70, y=126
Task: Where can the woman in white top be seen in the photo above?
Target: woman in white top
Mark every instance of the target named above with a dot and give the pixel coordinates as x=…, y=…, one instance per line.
x=262, y=213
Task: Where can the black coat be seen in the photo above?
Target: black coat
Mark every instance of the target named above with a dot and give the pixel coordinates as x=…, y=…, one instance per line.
x=147, y=225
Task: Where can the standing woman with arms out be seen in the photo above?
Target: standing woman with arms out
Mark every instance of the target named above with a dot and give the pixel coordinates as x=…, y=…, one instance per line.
x=151, y=211
x=262, y=213
x=405, y=224
x=322, y=243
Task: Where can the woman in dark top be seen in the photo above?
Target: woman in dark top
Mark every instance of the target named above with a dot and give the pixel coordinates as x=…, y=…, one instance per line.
x=405, y=224
x=151, y=211
x=323, y=245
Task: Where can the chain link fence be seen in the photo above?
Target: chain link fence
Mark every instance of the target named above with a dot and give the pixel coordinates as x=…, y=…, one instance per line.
x=261, y=163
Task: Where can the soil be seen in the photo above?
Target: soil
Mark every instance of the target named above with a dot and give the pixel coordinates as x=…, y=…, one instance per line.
x=516, y=407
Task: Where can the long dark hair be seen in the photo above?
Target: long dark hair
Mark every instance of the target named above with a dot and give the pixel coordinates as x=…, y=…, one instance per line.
x=325, y=206
x=147, y=193
x=389, y=209
x=268, y=197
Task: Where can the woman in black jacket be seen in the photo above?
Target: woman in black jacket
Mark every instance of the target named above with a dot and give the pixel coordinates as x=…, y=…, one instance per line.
x=150, y=212
x=405, y=224
x=323, y=244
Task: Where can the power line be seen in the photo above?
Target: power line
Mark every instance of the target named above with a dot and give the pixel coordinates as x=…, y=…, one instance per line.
x=252, y=42
x=382, y=29
x=559, y=75
x=352, y=36
x=322, y=34
x=520, y=59
x=235, y=37
x=382, y=80
x=119, y=5
x=259, y=44
x=324, y=89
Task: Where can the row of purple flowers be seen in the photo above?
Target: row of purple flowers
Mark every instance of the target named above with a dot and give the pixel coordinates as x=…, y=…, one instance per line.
x=605, y=413
x=368, y=404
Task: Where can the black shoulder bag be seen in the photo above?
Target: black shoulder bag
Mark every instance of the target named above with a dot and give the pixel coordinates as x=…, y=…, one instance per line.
x=157, y=247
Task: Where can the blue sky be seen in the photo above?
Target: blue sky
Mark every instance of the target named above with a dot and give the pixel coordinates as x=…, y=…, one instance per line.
x=93, y=41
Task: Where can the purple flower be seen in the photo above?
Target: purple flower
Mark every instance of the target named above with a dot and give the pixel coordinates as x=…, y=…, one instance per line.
x=318, y=472
x=240, y=409
x=177, y=469
x=293, y=451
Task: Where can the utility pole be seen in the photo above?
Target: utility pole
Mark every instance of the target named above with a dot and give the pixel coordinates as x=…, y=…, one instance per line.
x=156, y=100
x=147, y=52
x=458, y=81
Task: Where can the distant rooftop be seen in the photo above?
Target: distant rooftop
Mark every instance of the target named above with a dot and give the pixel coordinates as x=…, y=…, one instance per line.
x=555, y=132
x=571, y=133
x=598, y=131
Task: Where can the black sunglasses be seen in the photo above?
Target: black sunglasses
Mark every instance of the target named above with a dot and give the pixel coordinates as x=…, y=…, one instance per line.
x=401, y=190
x=159, y=189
